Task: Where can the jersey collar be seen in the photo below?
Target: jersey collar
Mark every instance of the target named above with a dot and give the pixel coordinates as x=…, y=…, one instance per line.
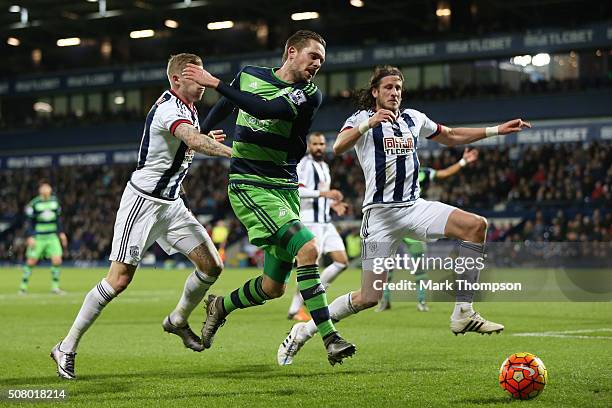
x=189, y=105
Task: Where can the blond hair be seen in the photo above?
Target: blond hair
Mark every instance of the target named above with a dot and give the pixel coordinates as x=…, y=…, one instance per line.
x=178, y=62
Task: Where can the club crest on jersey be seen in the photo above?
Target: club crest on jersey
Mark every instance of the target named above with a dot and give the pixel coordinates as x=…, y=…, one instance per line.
x=397, y=146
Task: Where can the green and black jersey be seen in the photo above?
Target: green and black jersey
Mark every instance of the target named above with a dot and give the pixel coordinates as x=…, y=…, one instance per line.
x=44, y=216
x=266, y=151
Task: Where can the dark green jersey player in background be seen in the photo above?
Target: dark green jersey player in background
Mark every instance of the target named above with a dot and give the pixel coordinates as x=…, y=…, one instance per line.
x=45, y=236
x=416, y=249
x=276, y=107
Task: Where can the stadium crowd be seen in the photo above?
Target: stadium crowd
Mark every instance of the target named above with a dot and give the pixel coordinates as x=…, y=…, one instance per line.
x=560, y=192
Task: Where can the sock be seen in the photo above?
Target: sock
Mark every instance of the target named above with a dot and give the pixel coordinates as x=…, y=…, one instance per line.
x=250, y=294
x=296, y=303
x=462, y=310
x=55, y=275
x=25, y=278
x=386, y=291
x=93, y=304
x=468, y=250
x=327, y=276
x=196, y=286
x=420, y=291
x=340, y=308
x=315, y=298
x=331, y=272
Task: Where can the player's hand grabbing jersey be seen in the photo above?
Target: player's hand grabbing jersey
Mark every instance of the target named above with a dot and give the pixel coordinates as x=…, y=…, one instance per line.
x=388, y=156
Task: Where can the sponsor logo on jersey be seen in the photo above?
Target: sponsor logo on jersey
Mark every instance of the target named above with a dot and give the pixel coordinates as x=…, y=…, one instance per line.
x=253, y=85
x=397, y=146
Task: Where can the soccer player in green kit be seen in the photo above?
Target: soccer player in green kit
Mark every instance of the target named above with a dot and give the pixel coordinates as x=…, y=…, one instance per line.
x=45, y=236
x=276, y=107
x=415, y=248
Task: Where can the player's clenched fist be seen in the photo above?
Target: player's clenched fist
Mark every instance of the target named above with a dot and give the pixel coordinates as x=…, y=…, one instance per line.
x=380, y=116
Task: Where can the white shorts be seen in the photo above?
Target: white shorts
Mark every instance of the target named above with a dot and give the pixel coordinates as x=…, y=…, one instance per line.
x=383, y=228
x=328, y=239
x=141, y=221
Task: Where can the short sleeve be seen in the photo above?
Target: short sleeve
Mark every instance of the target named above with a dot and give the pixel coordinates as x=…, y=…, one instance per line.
x=351, y=122
x=429, y=128
x=172, y=113
x=302, y=173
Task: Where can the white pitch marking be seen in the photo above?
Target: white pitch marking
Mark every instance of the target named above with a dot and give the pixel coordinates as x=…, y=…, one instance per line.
x=568, y=334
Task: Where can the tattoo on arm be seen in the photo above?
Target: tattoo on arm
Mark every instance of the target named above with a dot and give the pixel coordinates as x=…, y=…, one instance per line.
x=201, y=143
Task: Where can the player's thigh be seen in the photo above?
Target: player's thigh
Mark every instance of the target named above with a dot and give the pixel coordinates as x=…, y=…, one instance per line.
x=186, y=235
x=137, y=225
x=427, y=220
x=334, y=245
x=465, y=226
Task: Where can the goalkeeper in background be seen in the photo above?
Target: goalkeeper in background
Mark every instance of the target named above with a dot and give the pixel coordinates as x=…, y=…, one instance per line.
x=415, y=248
x=45, y=236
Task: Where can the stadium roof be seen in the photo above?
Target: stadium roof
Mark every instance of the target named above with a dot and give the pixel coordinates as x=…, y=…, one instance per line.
x=28, y=25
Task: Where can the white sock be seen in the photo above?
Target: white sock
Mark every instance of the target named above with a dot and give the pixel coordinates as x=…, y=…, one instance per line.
x=462, y=310
x=340, y=308
x=331, y=272
x=196, y=286
x=296, y=303
x=93, y=304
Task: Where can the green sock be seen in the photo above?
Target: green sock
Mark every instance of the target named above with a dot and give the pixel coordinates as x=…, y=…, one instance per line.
x=55, y=275
x=315, y=298
x=250, y=294
x=25, y=278
x=386, y=291
x=420, y=291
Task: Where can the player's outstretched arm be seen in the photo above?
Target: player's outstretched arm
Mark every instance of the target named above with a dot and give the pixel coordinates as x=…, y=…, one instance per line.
x=201, y=143
x=219, y=111
x=277, y=108
x=469, y=156
x=349, y=137
x=460, y=136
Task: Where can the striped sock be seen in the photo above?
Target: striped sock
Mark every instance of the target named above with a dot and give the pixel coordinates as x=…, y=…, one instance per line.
x=93, y=304
x=25, y=279
x=313, y=293
x=196, y=286
x=250, y=294
x=55, y=275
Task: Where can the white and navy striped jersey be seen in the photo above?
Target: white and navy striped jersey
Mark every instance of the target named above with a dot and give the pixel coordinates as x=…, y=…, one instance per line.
x=313, y=177
x=163, y=159
x=388, y=156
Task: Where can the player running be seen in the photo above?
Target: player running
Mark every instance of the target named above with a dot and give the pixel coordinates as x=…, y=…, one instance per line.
x=151, y=211
x=276, y=109
x=386, y=138
x=46, y=237
x=417, y=248
x=316, y=200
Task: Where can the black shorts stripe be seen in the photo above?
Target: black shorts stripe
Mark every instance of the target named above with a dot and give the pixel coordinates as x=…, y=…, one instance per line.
x=255, y=205
x=248, y=205
x=125, y=227
x=308, y=276
x=260, y=213
x=128, y=229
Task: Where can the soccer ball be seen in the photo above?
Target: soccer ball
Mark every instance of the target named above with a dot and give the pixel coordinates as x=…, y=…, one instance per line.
x=523, y=376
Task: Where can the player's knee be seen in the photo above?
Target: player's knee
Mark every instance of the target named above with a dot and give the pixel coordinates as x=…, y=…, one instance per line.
x=308, y=253
x=120, y=282
x=211, y=267
x=273, y=289
x=478, y=229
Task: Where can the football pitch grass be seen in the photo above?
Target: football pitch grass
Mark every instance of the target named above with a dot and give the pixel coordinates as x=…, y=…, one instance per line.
x=404, y=358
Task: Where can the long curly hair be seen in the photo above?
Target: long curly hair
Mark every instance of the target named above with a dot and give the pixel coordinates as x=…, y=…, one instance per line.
x=365, y=99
